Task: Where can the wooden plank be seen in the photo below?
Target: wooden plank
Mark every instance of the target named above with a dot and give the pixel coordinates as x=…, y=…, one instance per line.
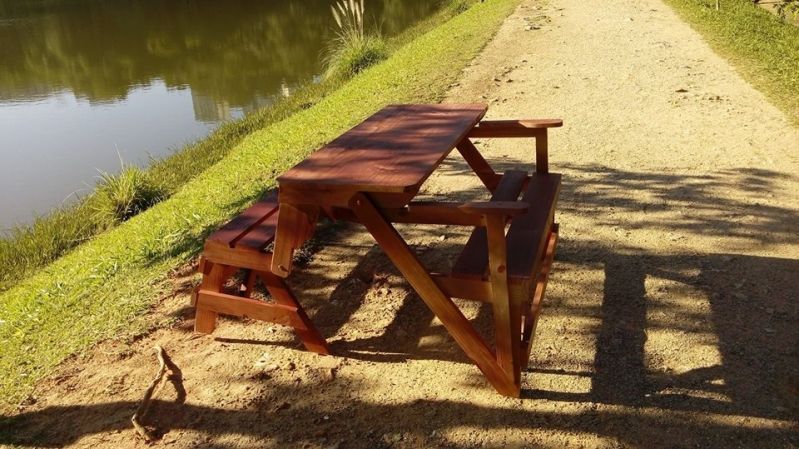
x=528, y=233
x=250, y=308
x=259, y=236
x=541, y=154
x=513, y=128
x=294, y=226
x=309, y=335
x=442, y=306
x=240, y=257
x=213, y=280
x=478, y=164
x=478, y=289
x=394, y=150
x=507, y=319
x=254, y=215
x=473, y=260
x=537, y=305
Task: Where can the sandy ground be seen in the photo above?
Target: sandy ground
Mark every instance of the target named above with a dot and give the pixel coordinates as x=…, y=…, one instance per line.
x=671, y=318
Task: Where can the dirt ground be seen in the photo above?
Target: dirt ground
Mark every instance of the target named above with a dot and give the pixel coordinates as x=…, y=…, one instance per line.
x=671, y=316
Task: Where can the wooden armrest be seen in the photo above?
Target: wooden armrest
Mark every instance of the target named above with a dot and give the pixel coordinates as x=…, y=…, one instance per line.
x=514, y=128
x=508, y=208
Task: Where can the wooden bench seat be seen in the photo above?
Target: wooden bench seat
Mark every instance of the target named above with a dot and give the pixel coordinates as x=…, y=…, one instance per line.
x=242, y=244
x=528, y=234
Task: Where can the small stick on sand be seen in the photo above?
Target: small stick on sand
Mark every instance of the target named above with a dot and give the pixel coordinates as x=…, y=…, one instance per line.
x=164, y=364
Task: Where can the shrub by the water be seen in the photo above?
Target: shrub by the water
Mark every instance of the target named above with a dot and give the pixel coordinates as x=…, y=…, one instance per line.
x=120, y=197
x=352, y=50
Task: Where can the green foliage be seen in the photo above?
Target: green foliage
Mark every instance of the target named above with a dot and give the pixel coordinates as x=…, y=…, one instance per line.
x=352, y=50
x=788, y=8
x=351, y=57
x=42, y=241
x=119, y=197
x=764, y=49
x=459, y=6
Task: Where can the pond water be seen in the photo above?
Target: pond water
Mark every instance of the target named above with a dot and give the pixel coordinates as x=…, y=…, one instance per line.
x=87, y=83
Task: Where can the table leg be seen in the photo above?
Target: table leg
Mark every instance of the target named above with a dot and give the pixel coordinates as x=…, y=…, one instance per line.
x=442, y=306
x=507, y=314
x=295, y=225
x=214, y=276
x=310, y=336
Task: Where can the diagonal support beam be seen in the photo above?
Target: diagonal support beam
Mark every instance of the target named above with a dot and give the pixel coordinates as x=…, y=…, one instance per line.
x=441, y=305
x=479, y=165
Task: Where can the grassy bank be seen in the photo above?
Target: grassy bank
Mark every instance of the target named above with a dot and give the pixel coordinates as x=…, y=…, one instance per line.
x=763, y=48
x=99, y=289
x=27, y=248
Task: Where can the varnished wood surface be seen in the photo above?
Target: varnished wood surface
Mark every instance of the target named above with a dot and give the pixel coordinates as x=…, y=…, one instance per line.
x=473, y=260
x=245, y=222
x=514, y=128
x=395, y=150
x=528, y=233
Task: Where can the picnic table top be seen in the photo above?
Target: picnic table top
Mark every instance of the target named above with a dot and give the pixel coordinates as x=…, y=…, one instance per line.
x=394, y=150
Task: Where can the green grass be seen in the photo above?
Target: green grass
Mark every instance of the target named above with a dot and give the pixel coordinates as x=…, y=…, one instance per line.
x=763, y=48
x=101, y=288
x=25, y=249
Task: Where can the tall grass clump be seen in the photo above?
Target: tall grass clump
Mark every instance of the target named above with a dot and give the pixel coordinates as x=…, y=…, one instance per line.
x=119, y=197
x=352, y=50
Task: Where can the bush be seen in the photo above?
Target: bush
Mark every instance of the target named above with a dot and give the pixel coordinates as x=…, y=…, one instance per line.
x=352, y=50
x=354, y=56
x=120, y=197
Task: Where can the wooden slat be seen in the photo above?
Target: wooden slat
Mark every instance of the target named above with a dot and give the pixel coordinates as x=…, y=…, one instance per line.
x=513, y=128
x=478, y=289
x=473, y=260
x=310, y=337
x=527, y=236
x=251, y=308
x=394, y=150
x=238, y=227
x=259, y=236
x=507, y=320
x=531, y=320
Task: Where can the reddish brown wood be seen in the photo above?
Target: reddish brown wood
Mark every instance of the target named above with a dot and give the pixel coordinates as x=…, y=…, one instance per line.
x=370, y=175
x=478, y=164
x=307, y=333
x=295, y=225
x=441, y=305
x=244, y=223
x=473, y=260
x=395, y=150
x=528, y=233
x=240, y=244
x=507, y=322
x=513, y=128
x=250, y=308
x=541, y=154
x=537, y=305
x=213, y=280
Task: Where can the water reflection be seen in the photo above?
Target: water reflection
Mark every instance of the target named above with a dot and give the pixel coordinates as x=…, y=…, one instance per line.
x=81, y=80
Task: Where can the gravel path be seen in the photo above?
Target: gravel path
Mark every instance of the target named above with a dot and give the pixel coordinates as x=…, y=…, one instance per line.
x=671, y=318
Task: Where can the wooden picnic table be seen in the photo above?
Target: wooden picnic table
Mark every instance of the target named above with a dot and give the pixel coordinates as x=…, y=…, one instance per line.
x=371, y=174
